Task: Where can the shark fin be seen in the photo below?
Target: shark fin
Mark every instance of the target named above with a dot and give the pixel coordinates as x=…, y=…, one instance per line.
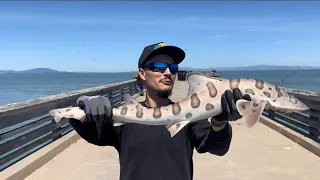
x=197, y=81
x=176, y=127
x=251, y=111
x=129, y=100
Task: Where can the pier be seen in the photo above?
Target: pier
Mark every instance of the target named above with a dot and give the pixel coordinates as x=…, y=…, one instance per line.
x=33, y=147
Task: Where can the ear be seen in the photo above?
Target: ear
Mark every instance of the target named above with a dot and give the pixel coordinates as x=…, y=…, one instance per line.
x=142, y=74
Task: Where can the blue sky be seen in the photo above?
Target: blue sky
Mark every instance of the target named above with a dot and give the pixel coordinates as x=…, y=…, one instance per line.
x=68, y=35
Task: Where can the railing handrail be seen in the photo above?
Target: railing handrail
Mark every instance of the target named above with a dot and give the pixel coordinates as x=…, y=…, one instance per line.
x=31, y=102
x=26, y=126
x=306, y=123
x=302, y=92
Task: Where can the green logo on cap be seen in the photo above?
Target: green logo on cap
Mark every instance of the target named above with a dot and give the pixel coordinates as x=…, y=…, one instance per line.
x=159, y=45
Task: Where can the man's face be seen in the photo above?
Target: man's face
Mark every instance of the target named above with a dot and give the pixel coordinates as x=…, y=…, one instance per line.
x=158, y=82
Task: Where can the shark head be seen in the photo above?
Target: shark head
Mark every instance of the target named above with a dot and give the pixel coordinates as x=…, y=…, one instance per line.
x=279, y=100
x=286, y=103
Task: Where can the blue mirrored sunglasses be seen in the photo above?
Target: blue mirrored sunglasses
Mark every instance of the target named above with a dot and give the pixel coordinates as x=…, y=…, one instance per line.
x=161, y=67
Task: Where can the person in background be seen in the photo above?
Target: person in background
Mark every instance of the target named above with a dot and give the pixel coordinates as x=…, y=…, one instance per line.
x=148, y=152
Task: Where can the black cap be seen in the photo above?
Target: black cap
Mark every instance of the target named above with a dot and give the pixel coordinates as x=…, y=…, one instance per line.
x=152, y=50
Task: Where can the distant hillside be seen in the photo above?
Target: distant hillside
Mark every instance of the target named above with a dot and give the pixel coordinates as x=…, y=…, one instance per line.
x=242, y=68
x=190, y=69
x=252, y=68
x=30, y=71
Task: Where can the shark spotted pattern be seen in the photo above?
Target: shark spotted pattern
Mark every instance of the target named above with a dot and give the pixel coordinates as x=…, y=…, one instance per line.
x=202, y=102
x=156, y=112
x=267, y=94
x=139, y=110
x=209, y=106
x=249, y=91
x=259, y=84
x=176, y=109
x=212, y=89
x=278, y=91
x=188, y=115
x=195, y=101
x=234, y=83
x=124, y=110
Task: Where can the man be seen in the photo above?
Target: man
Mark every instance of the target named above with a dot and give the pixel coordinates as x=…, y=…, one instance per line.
x=149, y=152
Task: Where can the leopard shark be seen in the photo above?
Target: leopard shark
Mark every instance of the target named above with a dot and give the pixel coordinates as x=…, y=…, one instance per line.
x=202, y=102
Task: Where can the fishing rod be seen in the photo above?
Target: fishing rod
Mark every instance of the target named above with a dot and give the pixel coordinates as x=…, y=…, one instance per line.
x=288, y=75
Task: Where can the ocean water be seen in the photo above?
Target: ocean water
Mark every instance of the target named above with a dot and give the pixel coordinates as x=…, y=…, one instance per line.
x=21, y=87
x=301, y=79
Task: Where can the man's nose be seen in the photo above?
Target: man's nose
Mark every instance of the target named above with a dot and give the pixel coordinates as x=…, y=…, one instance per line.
x=167, y=71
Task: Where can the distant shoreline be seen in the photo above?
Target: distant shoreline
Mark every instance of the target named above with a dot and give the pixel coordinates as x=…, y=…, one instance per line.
x=247, y=68
x=31, y=86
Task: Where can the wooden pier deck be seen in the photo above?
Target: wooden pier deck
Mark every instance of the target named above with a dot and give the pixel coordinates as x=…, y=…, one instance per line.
x=259, y=153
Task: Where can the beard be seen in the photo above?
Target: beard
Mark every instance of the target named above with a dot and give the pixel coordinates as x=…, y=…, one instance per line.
x=165, y=93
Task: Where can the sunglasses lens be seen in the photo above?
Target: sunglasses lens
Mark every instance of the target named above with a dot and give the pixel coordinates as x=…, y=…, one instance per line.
x=173, y=68
x=159, y=66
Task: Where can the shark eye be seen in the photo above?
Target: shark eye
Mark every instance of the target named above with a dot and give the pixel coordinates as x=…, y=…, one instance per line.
x=294, y=100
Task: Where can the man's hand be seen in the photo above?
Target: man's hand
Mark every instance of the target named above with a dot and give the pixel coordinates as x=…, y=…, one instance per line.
x=97, y=109
x=230, y=112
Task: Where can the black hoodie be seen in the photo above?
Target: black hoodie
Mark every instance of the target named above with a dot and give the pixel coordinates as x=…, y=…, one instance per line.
x=148, y=152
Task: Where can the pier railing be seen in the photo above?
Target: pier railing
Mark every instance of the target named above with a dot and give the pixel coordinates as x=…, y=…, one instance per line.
x=26, y=127
x=306, y=123
x=206, y=73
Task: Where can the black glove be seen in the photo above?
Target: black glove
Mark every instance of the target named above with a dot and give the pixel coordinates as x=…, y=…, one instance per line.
x=97, y=109
x=228, y=103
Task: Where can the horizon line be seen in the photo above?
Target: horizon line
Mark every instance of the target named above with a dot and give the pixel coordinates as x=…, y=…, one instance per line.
x=225, y=68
